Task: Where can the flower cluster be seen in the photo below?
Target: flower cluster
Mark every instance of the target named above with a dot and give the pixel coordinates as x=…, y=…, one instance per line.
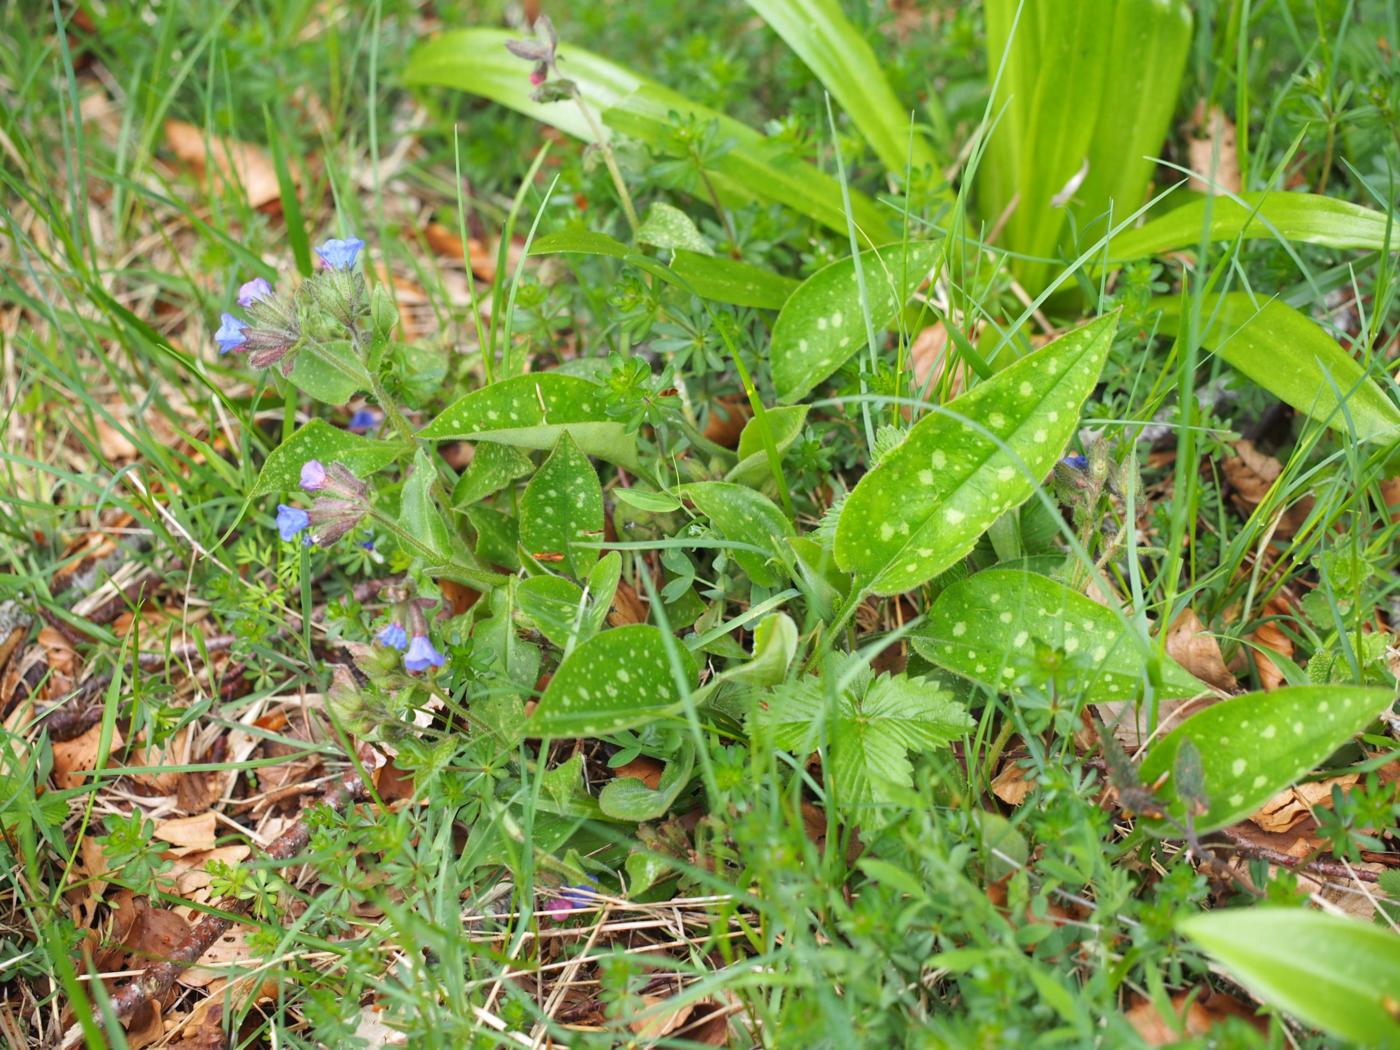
x=412, y=640
x=275, y=327
x=542, y=54
x=342, y=502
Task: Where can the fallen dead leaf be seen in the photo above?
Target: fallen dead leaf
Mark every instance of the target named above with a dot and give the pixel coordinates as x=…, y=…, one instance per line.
x=1197, y=651
x=1013, y=783
x=662, y=1022
x=238, y=163
x=644, y=768
x=1269, y=635
x=929, y=356
x=445, y=242
x=195, y=832
x=72, y=759
x=1197, y=1017
x=221, y=960
x=1212, y=152
x=727, y=419
x=1251, y=474
x=1292, y=806
x=627, y=607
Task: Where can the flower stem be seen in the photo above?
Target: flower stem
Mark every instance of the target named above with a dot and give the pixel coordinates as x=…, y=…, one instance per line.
x=601, y=141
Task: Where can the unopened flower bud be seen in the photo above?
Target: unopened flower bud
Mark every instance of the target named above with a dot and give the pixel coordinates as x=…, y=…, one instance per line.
x=331, y=519
x=334, y=479
x=345, y=701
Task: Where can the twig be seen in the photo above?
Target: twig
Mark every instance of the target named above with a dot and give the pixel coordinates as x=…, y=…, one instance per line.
x=158, y=979
x=1331, y=869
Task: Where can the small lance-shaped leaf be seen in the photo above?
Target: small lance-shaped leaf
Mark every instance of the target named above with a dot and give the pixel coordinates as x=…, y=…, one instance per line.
x=1296, y=361
x=615, y=680
x=785, y=424
x=745, y=516
x=332, y=373
x=627, y=798
x=562, y=506
x=531, y=411
x=822, y=324
x=362, y=456
x=1335, y=973
x=987, y=628
x=733, y=281
x=666, y=226
x=929, y=499
x=559, y=607
x=1305, y=218
x=584, y=242
x=492, y=468
x=1256, y=745
x=731, y=692
x=418, y=511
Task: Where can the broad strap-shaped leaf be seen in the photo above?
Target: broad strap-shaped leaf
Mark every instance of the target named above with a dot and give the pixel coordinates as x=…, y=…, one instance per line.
x=1302, y=218
x=561, y=507
x=785, y=424
x=615, y=680
x=583, y=242
x=531, y=411
x=732, y=281
x=960, y=468
x=1335, y=973
x=476, y=60
x=746, y=516
x=1254, y=746
x=988, y=627
x=822, y=324
x=493, y=467
x=837, y=54
x=1296, y=361
x=361, y=456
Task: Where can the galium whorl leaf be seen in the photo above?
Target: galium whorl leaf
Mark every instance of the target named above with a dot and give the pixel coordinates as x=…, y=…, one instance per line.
x=929, y=499
x=615, y=680
x=991, y=628
x=1254, y=746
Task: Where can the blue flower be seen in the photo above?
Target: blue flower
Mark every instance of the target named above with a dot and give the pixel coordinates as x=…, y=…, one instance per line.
x=291, y=521
x=1076, y=462
x=363, y=421
x=313, y=475
x=340, y=254
x=394, y=636
x=253, y=291
x=421, y=655
x=230, y=334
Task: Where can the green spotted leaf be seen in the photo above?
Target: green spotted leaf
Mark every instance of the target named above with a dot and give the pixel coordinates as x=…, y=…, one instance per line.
x=332, y=374
x=822, y=324
x=531, y=411
x=960, y=468
x=785, y=424
x=492, y=468
x=1335, y=973
x=745, y=516
x=732, y=281
x=562, y=610
x=361, y=456
x=1254, y=746
x=666, y=226
x=615, y=680
x=418, y=511
x=988, y=628
x=561, y=507
x=627, y=798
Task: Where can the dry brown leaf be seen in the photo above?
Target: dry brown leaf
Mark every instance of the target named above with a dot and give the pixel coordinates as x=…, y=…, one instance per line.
x=1189, y=645
x=114, y=444
x=1270, y=635
x=1292, y=806
x=627, y=607
x=929, y=356
x=644, y=768
x=445, y=242
x=1213, y=155
x=1251, y=473
x=663, y=1022
x=149, y=934
x=237, y=163
x=221, y=960
x=1390, y=490
x=1013, y=783
x=72, y=759
x=145, y=1027
x=195, y=832
x=1203, y=1012
x=727, y=419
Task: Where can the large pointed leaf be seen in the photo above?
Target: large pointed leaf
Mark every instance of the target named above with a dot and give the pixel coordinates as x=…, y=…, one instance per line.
x=839, y=57
x=930, y=498
x=1296, y=361
x=319, y=440
x=823, y=323
x=476, y=60
x=988, y=626
x=562, y=506
x=733, y=281
x=615, y=680
x=531, y=411
x=1256, y=745
x=1336, y=973
x=1305, y=218
x=784, y=424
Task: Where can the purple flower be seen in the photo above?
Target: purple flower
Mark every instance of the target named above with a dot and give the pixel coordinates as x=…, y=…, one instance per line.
x=291, y=521
x=394, y=636
x=1076, y=462
x=421, y=655
x=253, y=291
x=340, y=254
x=363, y=421
x=313, y=475
x=230, y=334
